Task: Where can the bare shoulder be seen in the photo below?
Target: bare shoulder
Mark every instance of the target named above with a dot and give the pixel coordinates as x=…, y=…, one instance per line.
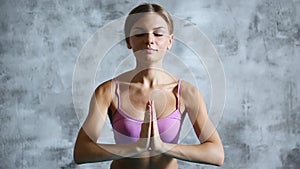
x=187, y=89
x=190, y=94
x=105, y=91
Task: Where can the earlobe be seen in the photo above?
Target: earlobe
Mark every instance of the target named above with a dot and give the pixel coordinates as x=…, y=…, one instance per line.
x=170, y=41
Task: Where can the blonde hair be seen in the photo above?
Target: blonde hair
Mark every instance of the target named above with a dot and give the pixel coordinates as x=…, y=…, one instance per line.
x=143, y=8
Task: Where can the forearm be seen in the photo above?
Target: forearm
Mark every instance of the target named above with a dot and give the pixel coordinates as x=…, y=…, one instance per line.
x=87, y=150
x=208, y=152
x=92, y=152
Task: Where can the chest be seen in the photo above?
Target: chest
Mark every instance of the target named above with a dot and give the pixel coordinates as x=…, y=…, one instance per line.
x=127, y=129
x=134, y=101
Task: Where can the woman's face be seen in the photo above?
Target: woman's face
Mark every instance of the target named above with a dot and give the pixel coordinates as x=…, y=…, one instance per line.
x=150, y=36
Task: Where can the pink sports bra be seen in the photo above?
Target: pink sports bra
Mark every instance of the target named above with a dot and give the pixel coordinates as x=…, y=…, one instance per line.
x=127, y=129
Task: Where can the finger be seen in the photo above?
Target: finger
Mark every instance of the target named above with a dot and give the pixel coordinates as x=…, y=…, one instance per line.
x=154, y=119
x=153, y=112
x=150, y=111
x=155, y=136
x=146, y=126
x=145, y=130
x=147, y=117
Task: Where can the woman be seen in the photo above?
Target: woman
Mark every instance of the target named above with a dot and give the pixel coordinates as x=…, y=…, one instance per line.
x=146, y=106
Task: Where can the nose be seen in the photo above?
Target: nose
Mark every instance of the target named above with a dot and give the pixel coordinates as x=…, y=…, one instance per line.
x=149, y=39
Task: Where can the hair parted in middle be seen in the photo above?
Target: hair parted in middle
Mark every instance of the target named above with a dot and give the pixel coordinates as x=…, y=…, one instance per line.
x=136, y=13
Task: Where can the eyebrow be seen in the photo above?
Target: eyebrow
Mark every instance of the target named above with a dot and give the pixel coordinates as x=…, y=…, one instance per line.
x=140, y=28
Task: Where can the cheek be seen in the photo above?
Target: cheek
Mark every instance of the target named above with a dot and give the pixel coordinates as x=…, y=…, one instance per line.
x=163, y=44
x=134, y=43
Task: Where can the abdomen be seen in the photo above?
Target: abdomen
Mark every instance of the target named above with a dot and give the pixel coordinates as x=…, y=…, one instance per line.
x=157, y=162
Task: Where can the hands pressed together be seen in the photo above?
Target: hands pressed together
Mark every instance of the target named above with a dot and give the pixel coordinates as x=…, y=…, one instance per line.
x=149, y=136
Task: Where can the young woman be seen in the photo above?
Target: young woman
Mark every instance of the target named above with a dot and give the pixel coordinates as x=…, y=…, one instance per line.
x=146, y=106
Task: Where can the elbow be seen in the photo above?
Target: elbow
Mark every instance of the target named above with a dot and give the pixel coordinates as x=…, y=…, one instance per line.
x=76, y=160
x=83, y=148
x=220, y=158
x=76, y=156
x=217, y=155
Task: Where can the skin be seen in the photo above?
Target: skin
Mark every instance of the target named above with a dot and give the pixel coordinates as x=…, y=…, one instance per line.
x=148, y=89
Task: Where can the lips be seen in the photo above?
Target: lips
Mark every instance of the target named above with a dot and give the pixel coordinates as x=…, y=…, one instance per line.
x=150, y=49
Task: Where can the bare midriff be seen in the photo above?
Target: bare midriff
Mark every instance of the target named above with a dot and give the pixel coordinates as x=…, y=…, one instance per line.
x=157, y=162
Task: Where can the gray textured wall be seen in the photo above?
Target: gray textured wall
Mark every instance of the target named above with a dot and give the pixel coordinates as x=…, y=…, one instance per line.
x=258, y=42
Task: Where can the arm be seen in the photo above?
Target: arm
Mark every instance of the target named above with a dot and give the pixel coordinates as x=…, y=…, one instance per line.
x=210, y=150
x=86, y=149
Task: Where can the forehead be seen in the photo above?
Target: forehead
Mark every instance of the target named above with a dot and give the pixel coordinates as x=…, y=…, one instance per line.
x=150, y=21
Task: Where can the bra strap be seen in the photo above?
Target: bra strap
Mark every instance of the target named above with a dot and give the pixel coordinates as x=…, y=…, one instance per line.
x=118, y=93
x=178, y=94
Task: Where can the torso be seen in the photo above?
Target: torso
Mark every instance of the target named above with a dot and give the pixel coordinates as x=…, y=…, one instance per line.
x=134, y=98
x=165, y=97
x=157, y=162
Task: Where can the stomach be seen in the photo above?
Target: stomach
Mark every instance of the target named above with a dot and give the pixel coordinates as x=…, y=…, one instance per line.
x=158, y=162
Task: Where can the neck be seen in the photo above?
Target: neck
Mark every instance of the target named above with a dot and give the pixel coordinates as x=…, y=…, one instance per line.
x=148, y=76
x=142, y=65
x=148, y=71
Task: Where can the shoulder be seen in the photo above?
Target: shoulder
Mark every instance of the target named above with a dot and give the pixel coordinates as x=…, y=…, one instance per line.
x=190, y=94
x=105, y=91
x=188, y=90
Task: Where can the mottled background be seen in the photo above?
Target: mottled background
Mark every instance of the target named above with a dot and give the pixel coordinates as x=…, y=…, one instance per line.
x=258, y=42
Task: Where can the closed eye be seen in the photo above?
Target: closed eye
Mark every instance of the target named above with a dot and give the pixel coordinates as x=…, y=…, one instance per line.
x=158, y=34
x=140, y=34
x=144, y=34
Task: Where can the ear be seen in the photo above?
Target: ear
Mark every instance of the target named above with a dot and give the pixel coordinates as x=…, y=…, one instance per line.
x=128, y=43
x=171, y=38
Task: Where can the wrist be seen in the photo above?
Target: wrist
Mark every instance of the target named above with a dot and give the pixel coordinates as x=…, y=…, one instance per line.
x=165, y=147
x=162, y=148
x=140, y=147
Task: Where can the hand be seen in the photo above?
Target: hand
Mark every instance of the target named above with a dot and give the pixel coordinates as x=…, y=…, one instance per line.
x=149, y=136
x=143, y=143
x=156, y=143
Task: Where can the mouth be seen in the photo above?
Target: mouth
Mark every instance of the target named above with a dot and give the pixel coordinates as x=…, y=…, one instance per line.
x=150, y=50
